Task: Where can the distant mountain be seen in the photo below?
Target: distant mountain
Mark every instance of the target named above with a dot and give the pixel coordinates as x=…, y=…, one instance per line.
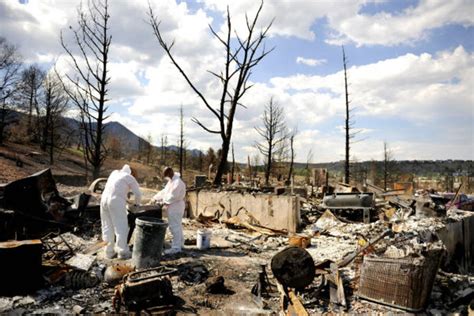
x=129, y=141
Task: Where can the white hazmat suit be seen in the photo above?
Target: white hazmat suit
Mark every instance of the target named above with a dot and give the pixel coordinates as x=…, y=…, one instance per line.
x=173, y=197
x=113, y=211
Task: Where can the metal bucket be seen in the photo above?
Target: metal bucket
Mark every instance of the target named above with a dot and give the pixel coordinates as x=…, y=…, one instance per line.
x=149, y=240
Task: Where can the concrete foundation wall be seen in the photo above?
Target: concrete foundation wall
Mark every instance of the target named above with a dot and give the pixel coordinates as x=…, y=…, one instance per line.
x=272, y=211
x=458, y=237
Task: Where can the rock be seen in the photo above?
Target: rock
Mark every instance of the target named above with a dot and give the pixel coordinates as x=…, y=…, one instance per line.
x=193, y=273
x=436, y=312
x=78, y=309
x=27, y=300
x=81, y=261
x=215, y=285
x=5, y=304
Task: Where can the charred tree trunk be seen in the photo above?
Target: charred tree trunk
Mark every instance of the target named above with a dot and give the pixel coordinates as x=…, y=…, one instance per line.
x=292, y=157
x=9, y=72
x=222, y=166
x=268, y=168
x=240, y=59
x=46, y=126
x=347, y=123
x=181, y=141
x=273, y=134
x=3, y=116
x=233, y=165
x=51, y=145
x=90, y=86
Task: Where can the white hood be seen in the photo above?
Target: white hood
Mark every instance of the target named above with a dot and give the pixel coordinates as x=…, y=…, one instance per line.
x=126, y=169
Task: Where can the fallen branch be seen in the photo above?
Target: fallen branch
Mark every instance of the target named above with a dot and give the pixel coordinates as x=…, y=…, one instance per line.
x=236, y=221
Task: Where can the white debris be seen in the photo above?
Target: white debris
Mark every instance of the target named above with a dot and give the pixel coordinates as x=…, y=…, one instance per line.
x=81, y=261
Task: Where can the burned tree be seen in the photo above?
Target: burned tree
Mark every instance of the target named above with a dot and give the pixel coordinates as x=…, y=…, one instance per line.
x=273, y=133
x=10, y=65
x=164, y=149
x=52, y=107
x=114, y=147
x=388, y=166
x=149, y=149
x=210, y=159
x=232, y=174
x=292, y=155
x=349, y=124
x=28, y=93
x=242, y=56
x=89, y=87
x=181, y=140
x=145, y=148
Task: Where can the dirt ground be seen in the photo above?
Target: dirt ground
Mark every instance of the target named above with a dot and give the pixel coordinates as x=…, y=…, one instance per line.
x=238, y=262
x=237, y=255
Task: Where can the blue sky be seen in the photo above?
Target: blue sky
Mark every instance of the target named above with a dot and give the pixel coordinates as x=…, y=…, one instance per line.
x=410, y=70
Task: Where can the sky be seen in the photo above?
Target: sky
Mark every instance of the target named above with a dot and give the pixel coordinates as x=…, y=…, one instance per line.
x=410, y=70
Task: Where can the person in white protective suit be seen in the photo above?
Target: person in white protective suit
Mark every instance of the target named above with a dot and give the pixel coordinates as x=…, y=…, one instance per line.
x=172, y=198
x=113, y=211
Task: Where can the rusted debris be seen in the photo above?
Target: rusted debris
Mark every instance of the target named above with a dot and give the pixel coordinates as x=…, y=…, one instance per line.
x=299, y=241
x=404, y=283
x=57, y=248
x=348, y=259
x=115, y=273
x=263, y=287
x=193, y=273
x=77, y=279
x=145, y=289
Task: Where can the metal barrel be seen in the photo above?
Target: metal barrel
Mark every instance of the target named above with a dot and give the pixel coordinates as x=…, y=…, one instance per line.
x=149, y=239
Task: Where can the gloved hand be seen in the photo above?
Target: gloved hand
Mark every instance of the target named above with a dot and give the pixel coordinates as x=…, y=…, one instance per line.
x=155, y=202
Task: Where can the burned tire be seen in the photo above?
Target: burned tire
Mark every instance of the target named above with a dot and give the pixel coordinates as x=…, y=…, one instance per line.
x=293, y=267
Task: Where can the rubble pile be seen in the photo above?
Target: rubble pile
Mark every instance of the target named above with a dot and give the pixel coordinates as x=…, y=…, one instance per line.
x=386, y=258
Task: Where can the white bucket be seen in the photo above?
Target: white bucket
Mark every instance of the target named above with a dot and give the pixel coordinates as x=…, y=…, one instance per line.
x=203, y=239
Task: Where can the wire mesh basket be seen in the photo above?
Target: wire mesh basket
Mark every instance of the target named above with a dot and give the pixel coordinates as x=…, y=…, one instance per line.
x=403, y=283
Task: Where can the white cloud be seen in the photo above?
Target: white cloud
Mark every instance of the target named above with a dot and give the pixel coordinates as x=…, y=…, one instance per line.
x=409, y=85
x=390, y=29
x=310, y=61
x=416, y=88
x=347, y=23
x=147, y=90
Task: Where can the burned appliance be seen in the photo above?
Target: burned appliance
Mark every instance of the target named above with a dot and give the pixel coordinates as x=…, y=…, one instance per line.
x=347, y=204
x=27, y=201
x=145, y=289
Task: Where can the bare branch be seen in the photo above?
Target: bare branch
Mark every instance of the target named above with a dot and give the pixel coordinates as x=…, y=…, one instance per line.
x=195, y=120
